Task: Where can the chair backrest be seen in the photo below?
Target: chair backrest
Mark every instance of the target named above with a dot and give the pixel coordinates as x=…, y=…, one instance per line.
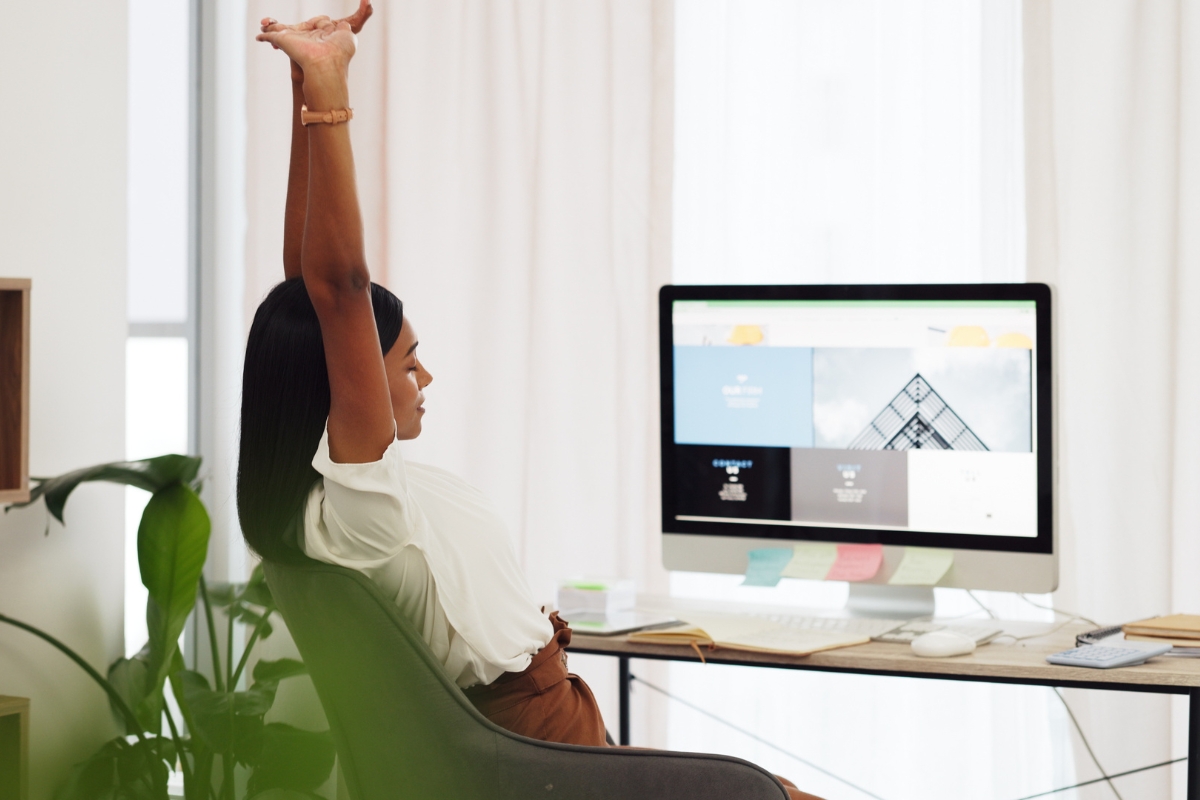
x=403, y=729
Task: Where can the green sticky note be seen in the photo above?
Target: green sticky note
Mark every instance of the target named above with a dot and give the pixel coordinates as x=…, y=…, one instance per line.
x=811, y=561
x=922, y=566
x=765, y=565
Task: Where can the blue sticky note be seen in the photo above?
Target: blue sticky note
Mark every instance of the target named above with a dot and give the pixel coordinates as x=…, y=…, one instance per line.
x=766, y=565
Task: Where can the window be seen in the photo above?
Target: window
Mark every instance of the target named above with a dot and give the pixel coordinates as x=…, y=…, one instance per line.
x=847, y=141
x=160, y=351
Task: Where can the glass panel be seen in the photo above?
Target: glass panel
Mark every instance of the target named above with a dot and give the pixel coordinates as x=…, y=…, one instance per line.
x=156, y=423
x=158, y=160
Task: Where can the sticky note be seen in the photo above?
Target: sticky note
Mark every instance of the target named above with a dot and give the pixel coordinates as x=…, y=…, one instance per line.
x=856, y=562
x=921, y=566
x=765, y=565
x=811, y=561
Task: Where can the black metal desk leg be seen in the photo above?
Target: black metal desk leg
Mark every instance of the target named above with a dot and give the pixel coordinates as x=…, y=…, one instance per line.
x=623, y=694
x=1193, y=763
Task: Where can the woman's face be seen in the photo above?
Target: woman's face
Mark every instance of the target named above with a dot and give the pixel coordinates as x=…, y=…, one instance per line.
x=406, y=380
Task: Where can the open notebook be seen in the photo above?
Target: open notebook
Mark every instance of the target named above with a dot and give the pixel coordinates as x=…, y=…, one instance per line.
x=754, y=634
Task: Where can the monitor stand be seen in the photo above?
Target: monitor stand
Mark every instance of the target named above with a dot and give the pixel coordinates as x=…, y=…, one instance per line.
x=890, y=602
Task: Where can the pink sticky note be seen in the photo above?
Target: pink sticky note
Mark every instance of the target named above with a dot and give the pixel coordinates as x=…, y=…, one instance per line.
x=856, y=562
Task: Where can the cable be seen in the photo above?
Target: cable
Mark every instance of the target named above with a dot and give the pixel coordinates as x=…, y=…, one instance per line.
x=1070, y=614
x=1079, y=729
x=1070, y=618
x=1050, y=632
x=1098, y=780
x=753, y=736
x=979, y=603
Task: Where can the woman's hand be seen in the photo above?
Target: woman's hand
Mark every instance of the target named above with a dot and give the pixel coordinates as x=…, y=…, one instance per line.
x=320, y=42
x=356, y=21
x=316, y=45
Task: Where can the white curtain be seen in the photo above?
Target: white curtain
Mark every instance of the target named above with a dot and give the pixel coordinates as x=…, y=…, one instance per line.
x=826, y=141
x=513, y=160
x=830, y=141
x=515, y=164
x=1114, y=153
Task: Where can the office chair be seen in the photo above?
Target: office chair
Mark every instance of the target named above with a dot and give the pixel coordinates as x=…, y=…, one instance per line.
x=403, y=729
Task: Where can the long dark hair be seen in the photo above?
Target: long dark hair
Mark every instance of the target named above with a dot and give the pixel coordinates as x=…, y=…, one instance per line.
x=285, y=404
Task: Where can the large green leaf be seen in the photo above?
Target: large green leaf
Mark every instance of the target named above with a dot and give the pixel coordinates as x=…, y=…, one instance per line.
x=221, y=595
x=257, y=591
x=227, y=721
x=120, y=770
x=151, y=474
x=176, y=678
x=291, y=759
x=211, y=712
x=275, y=671
x=250, y=603
x=131, y=678
x=172, y=547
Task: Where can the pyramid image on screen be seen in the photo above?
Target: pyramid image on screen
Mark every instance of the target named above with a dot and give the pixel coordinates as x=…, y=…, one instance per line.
x=917, y=418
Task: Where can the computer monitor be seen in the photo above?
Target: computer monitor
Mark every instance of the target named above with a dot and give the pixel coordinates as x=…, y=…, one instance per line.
x=903, y=415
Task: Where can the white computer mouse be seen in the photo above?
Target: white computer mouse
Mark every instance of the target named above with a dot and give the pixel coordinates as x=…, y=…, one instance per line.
x=943, y=644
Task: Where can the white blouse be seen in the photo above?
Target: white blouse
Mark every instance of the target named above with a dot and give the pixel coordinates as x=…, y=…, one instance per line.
x=436, y=545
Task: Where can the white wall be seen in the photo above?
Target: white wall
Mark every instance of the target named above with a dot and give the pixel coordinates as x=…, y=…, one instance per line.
x=62, y=221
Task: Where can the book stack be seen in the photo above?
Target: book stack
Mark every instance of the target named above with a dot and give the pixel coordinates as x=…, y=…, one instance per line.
x=1182, y=631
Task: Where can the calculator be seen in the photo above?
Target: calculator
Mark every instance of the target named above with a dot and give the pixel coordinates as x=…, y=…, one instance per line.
x=1102, y=656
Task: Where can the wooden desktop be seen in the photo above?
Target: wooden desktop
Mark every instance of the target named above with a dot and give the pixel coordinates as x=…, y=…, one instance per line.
x=1004, y=661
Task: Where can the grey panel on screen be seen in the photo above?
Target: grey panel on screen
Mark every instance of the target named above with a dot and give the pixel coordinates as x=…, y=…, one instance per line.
x=864, y=487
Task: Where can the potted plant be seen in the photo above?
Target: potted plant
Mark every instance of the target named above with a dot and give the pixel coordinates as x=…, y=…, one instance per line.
x=218, y=726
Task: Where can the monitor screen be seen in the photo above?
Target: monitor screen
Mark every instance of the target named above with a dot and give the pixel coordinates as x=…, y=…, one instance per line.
x=895, y=414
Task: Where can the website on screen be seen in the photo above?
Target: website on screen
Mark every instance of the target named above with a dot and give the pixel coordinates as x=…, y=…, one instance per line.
x=896, y=415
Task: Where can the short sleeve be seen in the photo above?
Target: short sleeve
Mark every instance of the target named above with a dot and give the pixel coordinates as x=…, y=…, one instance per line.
x=359, y=513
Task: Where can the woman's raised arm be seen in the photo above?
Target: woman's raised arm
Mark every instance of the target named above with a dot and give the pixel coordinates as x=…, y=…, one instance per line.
x=332, y=260
x=297, y=188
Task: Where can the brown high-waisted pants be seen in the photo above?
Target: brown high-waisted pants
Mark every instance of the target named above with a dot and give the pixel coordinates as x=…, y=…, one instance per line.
x=547, y=702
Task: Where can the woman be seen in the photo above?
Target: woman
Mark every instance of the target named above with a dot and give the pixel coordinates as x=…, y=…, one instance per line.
x=332, y=386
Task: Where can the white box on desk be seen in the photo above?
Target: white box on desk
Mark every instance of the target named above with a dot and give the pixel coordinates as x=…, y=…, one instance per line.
x=601, y=596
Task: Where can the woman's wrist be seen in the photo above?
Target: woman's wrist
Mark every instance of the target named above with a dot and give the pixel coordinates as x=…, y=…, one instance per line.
x=325, y=87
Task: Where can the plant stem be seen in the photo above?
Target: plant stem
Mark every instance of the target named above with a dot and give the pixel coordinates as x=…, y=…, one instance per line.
x=187, y=776
x=212, y=636
x=229, y=650
x=203, y=773
x=227, y=783
x=258, y=629
x=130, y=718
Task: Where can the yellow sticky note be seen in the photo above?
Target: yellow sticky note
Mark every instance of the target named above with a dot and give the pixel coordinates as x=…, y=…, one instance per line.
x=811, y=560
x=922, y=566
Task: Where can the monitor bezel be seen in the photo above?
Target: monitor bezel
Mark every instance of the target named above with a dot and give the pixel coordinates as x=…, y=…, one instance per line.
x=1039, y=293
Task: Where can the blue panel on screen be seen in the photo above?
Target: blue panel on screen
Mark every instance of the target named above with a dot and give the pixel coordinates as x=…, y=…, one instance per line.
x=744, y=396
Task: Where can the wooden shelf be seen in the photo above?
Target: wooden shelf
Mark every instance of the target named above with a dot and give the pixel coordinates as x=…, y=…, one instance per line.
x=14, y=390
x=14, y=748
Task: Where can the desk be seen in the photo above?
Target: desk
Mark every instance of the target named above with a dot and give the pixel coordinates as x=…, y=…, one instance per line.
x=1021, y=662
